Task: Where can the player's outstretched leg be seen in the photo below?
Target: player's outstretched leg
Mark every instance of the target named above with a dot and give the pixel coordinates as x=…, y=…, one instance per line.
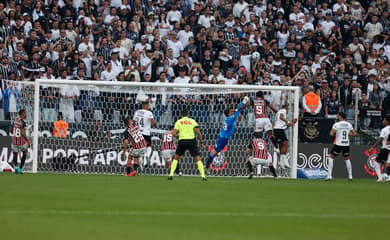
x=128, y=166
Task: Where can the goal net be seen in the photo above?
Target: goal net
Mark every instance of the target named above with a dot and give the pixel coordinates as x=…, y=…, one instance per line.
x=94, y=111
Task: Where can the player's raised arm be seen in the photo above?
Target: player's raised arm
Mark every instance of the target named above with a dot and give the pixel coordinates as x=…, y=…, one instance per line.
x=353, y=132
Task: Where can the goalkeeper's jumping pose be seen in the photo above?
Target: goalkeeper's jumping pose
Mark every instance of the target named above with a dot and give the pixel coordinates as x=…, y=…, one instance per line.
x=227, y=131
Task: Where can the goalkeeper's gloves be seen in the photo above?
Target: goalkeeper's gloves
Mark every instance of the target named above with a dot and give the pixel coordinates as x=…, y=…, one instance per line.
x=245, y=100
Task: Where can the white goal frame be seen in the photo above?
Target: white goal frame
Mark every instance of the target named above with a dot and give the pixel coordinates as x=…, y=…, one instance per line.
x=39, y=82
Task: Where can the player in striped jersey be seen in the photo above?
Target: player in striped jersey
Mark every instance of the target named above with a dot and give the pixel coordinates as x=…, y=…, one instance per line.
x=137, y=143
x=168, y=149
x=260, y=155
x=384, y=153
x=20, y=141
x=262, y=122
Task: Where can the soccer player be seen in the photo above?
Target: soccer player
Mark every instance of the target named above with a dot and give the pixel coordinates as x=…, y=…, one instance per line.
x=138, y=146
x=342, y=129
x=20, y=141
x=185, y=130
x=260, y=155
x=168, y=148
x=231, y=115
x=383, y=156
x=262, y=122
x=281, y=124
x=144, y=119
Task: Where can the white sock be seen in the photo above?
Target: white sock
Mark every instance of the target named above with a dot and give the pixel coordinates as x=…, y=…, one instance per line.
x=377, y=167
x=349, y=168
x=330, y=167
x=282, y=161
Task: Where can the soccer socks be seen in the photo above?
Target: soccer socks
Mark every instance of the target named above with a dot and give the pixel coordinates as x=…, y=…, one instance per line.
x=377, y=167
x=330, y=168
x=200, y=168
x=173, y=167
x=209, y=160
x=272, y=169
x=23, y=160
x=349, y=168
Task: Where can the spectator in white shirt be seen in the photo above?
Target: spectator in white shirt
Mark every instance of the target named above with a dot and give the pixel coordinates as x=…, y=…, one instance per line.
x=108, y=74
x=239, y=7
x=176, y=46
x=327, y=25
x=204, y=20
x=184, y=35
x=296, y=15
x=116, y=62
x=374, y=27
x=174, y=15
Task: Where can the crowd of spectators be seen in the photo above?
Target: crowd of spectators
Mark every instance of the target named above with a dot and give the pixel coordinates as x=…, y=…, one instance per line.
x=341, y=47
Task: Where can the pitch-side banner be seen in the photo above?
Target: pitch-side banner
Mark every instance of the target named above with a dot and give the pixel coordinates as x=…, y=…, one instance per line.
x=103, y=156
x=314, y=155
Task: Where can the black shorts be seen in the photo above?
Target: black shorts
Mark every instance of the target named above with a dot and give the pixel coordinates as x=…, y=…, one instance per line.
x=337, y=149
x=148, y=140
x=280, y=135
x=191, y=145
x=382, y=156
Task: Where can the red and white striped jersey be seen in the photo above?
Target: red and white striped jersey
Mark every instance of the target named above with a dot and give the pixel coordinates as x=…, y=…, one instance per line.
x=134, y=135
x=259, y=148
x=168, y=142
x=17, y=127
x=260, y=107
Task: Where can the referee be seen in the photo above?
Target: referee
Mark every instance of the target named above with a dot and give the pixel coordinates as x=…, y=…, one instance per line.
x=185, y=129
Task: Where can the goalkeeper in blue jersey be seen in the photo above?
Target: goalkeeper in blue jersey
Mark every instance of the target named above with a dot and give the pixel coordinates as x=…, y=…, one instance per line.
x=228, y=129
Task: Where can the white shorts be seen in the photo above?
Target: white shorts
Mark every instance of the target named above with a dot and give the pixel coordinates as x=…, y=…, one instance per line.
x=138, y=152
x=19, y=148
x=167, y=155
x=260, y=161
x=263, y=124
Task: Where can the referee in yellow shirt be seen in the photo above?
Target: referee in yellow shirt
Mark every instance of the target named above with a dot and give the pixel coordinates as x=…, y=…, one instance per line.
x=185, y=129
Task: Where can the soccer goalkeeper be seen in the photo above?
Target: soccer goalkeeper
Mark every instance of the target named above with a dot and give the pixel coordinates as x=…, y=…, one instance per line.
x=231, y=115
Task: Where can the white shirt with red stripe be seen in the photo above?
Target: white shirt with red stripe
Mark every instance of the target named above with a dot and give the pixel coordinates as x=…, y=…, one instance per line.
x=260, y=107
x=17, y=128
x=134, y=135
x=259, y=148
x=168, y=142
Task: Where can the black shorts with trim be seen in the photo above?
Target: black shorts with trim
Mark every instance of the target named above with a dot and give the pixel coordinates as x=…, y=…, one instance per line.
x=383, y=155
x=280, y=135
x=336, y=150
x=148, y=140
x=190, y=144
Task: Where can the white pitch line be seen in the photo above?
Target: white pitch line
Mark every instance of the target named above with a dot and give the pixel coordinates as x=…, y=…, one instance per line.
x=193, y=214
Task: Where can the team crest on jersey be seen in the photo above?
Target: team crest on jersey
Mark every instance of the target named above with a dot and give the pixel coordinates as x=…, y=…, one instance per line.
x=311, y=131
x=219, y=162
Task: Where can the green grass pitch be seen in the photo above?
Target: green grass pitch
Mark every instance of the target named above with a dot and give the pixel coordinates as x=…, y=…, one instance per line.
x=49, y=206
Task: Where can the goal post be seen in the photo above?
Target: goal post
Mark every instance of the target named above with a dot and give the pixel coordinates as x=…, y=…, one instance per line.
x=100, y=104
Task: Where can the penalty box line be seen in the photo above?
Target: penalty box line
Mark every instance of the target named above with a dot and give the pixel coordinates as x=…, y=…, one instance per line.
x=193, y=214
